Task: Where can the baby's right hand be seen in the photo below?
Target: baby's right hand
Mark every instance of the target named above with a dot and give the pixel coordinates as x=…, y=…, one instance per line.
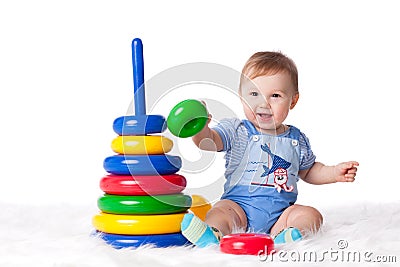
x=208, y=139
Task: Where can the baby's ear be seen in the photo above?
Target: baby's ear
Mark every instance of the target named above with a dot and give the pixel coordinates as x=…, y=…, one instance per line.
x=295, y=98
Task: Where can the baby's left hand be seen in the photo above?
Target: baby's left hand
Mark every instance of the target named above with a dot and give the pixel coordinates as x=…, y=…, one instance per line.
x=345, y=171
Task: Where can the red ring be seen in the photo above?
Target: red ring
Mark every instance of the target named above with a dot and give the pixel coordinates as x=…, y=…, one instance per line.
x=142, y=185
x=247, y=244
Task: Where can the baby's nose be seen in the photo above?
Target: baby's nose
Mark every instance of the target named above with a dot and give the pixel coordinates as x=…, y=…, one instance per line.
x=264, y=105
x=263, y=102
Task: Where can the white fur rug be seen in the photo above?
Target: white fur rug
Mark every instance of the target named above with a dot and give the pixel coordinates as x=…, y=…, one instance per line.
x=60, y=236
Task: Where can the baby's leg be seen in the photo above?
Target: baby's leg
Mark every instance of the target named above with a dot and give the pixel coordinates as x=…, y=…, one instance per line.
x=306, y=219
x=222, y=219
x=226, y=216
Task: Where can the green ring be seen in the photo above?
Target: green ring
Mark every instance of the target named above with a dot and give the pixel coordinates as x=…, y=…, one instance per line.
x=144, y=205
x=187, y=118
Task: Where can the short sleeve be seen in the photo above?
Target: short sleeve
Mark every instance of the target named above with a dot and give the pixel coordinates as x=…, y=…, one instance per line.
x=227, y=130
x=307, y=157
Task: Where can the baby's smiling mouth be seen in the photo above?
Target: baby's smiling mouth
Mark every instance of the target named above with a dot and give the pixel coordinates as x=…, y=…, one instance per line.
x=264, y=116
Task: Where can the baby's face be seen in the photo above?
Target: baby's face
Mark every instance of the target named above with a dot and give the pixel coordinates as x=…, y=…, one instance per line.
x=267, y=100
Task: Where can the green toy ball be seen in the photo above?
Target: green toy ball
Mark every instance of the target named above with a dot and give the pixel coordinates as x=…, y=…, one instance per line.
x=187, y=118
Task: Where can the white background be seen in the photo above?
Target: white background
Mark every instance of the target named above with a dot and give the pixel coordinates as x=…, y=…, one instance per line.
x=66, y=74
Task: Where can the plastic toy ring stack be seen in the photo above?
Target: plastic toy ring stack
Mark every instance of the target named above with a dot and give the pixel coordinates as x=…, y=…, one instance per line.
x=143, y=203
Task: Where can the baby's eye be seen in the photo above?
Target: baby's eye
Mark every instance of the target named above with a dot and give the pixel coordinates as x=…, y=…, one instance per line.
x=276, y=95
x=254, y=93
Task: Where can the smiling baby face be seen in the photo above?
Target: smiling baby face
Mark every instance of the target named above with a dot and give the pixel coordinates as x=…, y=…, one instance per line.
x=267, y=100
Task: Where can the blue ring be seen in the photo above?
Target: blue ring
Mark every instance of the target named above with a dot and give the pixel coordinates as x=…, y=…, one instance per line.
x=134, y=241
x=139, y=125
x=142, y=164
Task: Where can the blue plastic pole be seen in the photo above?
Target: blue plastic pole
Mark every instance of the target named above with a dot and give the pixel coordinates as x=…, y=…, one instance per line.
x=138, y=77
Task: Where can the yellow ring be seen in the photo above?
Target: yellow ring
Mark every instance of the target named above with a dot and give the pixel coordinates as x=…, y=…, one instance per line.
x=140, y=145
x=138, y=224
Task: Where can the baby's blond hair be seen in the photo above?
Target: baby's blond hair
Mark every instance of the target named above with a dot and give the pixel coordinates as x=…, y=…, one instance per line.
x=269, y=63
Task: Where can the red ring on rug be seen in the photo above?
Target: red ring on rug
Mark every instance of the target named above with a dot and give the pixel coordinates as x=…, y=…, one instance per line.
x=140, y=185
x=247, y=244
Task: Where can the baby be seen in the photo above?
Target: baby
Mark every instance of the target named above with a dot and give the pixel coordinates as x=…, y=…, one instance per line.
x=264, y=160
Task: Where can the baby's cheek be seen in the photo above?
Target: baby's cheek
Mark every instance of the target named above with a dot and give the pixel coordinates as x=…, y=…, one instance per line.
x=249, y=112
x=246, y=107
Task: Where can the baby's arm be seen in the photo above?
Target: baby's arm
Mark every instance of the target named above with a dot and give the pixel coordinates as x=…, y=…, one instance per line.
x=208, y=139
x=322, y=174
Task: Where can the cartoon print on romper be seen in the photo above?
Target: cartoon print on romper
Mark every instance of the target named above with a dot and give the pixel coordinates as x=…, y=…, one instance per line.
x=279, y=169
x=280, y=180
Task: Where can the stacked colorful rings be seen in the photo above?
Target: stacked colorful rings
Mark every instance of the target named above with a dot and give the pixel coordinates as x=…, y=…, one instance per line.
x=143, y=201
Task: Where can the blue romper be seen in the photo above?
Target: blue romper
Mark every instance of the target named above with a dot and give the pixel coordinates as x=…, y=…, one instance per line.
x=264, y=181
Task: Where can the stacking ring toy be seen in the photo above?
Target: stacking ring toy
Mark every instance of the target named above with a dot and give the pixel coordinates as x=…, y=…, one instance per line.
x=187, y=118
x=247, y=244
x=139, y=125
x=142, y=185
x=134, y=241
x=141, y=145
x=142, y=164
x=138, y=224
x=138, y=205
